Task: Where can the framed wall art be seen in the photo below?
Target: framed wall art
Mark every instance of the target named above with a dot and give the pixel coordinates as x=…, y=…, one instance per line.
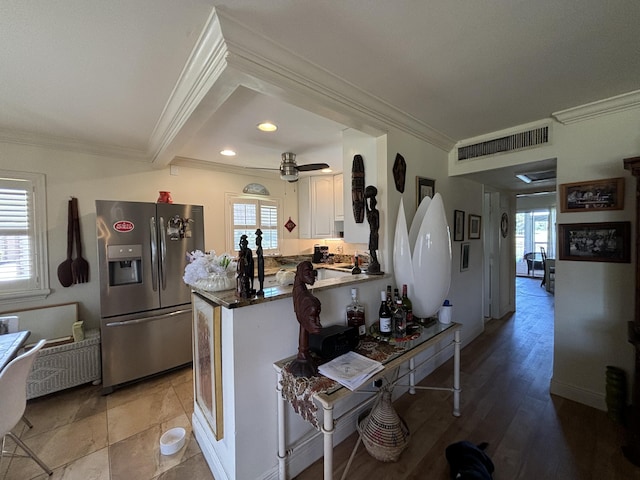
x=595, y=242
x=475, y=224
x=425, y=187
x=458, y=225
x=207, y=363
x=596, y=195
x=464, y=256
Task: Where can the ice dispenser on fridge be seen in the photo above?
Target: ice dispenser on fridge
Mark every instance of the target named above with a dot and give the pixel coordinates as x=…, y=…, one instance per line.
x=125, y=264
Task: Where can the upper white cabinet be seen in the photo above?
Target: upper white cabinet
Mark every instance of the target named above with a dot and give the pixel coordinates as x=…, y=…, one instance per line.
x=315, y=207
x=338, y=197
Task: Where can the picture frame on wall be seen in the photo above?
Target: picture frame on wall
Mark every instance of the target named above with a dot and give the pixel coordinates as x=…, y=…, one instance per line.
x=475, y=225
x=425, y=187
x=592, y=196
x=595, y=242
x=464, y=256
x=458, y=225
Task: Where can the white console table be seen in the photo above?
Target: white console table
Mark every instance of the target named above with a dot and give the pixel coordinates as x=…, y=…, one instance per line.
x=431, y=336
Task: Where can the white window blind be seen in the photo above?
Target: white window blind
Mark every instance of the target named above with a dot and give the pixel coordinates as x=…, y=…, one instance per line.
x=22, y=248
x=249, y=214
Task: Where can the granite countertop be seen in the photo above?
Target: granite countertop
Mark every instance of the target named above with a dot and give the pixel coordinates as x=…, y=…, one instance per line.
x=228, y=299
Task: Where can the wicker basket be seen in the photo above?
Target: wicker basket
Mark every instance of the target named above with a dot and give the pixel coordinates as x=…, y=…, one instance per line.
x=65, y=366
x=384, y=434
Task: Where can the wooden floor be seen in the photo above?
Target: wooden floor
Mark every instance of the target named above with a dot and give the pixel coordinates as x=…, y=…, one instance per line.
x=505, y=375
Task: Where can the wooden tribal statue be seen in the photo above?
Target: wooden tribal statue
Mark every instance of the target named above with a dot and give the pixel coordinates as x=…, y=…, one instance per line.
x=307, y=309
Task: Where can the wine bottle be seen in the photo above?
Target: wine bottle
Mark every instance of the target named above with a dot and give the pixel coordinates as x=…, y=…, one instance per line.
x=399, y=320
x=407, y=305
x=390, y=302
x=384, y=316
x=355, y=314
x=396, y=295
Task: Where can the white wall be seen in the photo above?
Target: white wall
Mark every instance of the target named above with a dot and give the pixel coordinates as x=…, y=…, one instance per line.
x=594, y=300
x=90, y=177
x=425, y=160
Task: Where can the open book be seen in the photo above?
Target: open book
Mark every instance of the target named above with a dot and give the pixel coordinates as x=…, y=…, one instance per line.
x=350, y=369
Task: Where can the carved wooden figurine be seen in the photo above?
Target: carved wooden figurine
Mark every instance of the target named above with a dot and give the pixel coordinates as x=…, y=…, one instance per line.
x=260, y=256
x=245, y=261
x=307, y=309
x=373, y=217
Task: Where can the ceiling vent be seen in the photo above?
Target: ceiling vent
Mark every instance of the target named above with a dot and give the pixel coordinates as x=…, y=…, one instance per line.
x=509, y=143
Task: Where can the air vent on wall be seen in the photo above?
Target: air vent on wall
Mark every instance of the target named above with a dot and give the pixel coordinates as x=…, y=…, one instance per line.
x=509, y=143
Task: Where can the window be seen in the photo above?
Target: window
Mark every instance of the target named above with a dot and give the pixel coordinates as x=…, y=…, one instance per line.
x=23, y=252
x=246, y=215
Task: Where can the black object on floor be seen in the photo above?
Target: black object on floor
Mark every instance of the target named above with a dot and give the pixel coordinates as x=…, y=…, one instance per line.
x=469, y=461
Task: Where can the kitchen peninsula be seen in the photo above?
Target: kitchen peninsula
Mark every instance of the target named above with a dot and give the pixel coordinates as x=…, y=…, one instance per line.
x=236, y=342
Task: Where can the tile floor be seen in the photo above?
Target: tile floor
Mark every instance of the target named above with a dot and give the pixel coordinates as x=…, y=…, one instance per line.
x=82, y=435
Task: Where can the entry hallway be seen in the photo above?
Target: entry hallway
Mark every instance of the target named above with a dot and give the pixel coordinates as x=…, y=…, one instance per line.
x=505, y=401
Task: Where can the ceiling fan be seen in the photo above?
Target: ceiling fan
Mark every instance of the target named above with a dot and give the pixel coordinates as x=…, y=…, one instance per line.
x=289, y=168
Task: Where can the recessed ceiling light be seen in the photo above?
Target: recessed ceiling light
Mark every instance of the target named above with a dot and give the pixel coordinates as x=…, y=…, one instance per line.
x=326, y=170
x=267, y=127
x=228, y=153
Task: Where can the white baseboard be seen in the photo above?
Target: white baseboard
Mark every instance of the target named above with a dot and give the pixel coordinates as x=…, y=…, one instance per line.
x=578, y=394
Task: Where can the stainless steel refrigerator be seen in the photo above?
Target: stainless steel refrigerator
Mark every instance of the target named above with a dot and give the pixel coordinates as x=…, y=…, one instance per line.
x=145, y=305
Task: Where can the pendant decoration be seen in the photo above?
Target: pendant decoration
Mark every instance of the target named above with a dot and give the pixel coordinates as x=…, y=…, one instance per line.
x=399, y=172
x=504, y=225
x=290, y=225
x=357, y=188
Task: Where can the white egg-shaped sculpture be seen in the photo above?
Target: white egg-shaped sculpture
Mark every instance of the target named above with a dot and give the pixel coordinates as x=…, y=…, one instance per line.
x=428, y=276
x=402, y=264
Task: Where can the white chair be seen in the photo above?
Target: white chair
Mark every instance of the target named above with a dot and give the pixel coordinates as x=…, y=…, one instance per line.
x=13, y=400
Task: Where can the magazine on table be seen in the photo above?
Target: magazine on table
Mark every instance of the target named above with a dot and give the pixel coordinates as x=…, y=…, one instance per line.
x=350, y=369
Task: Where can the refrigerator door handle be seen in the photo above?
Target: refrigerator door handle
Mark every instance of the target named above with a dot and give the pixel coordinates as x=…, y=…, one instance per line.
x=154, y=253
x=163, y=254
x=124, y=323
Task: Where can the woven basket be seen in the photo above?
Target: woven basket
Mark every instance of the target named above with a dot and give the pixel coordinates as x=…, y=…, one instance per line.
x=384, y=434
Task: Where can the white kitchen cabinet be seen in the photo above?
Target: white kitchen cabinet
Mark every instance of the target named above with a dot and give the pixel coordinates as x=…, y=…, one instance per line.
x=338, y=197
x=315, y=207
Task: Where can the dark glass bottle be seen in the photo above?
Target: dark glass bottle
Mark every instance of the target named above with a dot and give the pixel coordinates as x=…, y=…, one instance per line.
x=389, y=298
x=396, y=295
x=399, y=320
x=384, y=316
x=407, y=305
x=355, y=314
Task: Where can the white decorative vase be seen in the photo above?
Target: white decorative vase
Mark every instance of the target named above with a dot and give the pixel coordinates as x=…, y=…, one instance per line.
x=422, y=256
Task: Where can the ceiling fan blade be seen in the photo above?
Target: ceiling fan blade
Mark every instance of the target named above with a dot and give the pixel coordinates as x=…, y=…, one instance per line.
x=309, y=167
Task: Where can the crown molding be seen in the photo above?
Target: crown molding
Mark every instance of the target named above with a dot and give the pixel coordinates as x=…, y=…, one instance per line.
x=204, y=67
x=228, y=55
x=304, y=82
x=222, y=167
x=599, y=108
x=72, y=145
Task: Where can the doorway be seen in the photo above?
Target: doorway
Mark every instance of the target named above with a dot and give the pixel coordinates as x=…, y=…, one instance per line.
x=534, y=235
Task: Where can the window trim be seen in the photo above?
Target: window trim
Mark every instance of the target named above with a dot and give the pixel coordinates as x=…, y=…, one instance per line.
x=230, y=199
x=41, y=263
